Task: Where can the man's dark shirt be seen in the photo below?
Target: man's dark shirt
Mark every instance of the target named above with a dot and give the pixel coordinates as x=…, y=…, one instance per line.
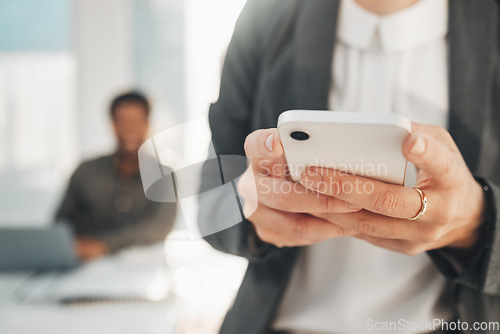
x=99, y=203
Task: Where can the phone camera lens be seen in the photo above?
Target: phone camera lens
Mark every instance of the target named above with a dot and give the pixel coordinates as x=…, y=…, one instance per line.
x=299, y=135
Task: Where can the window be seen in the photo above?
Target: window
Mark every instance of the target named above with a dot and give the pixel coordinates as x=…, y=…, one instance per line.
x=37, y=96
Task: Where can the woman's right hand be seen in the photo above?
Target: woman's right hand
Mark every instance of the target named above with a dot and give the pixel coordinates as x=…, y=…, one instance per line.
x=280, y=209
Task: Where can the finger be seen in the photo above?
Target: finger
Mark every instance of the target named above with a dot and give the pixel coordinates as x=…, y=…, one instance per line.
x=432, y=156
x=293, y=197
x=375, y=225
x=379, y=197
x=296, y=225
x=279, y=240
x=398, y=246
x=263, y=145
x=266, y=232
x=247, y=191
x=437, y=132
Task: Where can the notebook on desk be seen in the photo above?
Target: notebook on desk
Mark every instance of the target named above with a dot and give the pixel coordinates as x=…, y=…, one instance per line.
x=133, y=275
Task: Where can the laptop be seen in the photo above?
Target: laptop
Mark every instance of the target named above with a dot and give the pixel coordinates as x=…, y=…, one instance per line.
x=50, y=248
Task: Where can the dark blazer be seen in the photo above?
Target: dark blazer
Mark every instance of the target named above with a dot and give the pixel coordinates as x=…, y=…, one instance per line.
x=280, y=58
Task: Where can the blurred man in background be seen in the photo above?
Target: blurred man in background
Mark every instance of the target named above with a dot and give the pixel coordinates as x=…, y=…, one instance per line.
x=105, y=202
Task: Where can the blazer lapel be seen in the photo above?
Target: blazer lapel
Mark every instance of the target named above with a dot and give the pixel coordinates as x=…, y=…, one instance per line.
x=314, y=50
x=472, y=37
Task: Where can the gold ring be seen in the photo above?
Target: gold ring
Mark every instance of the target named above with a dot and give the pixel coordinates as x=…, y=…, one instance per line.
x=423, y=207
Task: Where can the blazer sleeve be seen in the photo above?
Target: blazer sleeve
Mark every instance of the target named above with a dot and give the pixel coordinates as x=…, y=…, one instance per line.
x=480, y=272
x=492, y=245
x=230, y=121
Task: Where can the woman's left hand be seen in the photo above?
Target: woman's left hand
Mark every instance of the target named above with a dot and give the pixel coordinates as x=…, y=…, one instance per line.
x=455, y=207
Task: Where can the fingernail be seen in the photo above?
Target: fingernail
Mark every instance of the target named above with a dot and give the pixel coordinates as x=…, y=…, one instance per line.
x=418, y=146
x=270, y=142
x=311, y=179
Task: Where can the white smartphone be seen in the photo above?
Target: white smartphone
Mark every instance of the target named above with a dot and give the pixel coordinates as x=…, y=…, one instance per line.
x=358, y=143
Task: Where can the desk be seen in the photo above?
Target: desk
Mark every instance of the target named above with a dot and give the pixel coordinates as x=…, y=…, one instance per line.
x=56, y=319
x=202, y=281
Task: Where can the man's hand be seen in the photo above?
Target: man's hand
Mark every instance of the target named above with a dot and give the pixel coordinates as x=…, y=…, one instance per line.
x=280, y=210
x=455, y=207
x=88, y=249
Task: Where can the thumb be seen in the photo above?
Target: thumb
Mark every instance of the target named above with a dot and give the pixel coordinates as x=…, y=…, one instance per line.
x=432, y=156
x=263, y=145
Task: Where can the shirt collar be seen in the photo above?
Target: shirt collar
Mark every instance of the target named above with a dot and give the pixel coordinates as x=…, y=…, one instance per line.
x=424, y=22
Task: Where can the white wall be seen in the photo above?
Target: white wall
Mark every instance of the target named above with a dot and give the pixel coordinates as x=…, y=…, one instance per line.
x=104, y=54
x=209, y=27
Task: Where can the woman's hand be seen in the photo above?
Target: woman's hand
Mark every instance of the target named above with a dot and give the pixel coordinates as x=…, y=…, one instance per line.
x=278, y=208
x=455, y=206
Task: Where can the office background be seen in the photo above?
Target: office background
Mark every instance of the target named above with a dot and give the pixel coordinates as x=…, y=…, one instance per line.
x=61, y=61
